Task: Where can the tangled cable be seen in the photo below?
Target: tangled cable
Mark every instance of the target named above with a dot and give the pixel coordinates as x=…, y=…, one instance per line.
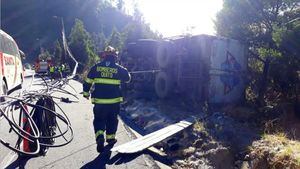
x=41, y=119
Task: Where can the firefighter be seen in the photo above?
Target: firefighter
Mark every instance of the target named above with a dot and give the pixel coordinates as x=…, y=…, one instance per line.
x=62, y=69
x=59, y=69
x=56, y=72
x=106, y=76
x=51, y=71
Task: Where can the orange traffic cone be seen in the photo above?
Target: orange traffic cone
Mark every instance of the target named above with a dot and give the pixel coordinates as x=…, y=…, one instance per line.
x=26, y=127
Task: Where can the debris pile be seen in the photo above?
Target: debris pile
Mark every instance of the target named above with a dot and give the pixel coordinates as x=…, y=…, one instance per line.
x=231, y=132
x=152, y=116
x=217, y=141
x=202, y=151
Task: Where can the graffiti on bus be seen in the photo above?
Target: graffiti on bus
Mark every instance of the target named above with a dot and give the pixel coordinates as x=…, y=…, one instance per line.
x=231, y=77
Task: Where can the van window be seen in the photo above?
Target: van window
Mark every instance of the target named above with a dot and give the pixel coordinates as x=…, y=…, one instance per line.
x=8, y=46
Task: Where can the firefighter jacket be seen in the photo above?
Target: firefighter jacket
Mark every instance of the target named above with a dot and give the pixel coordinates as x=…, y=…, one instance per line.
x=51, y=69
x=106, y=77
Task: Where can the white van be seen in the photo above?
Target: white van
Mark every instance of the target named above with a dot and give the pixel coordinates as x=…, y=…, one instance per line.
x=11, y=69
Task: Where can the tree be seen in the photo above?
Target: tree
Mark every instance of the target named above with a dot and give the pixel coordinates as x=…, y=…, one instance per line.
x=254, y=21
x=99, y=41
x=81, y=45
x=57, y=52
x=115, y=40
x=263, y=26
x=136, y=30
x=101, y=22
x=120, y=4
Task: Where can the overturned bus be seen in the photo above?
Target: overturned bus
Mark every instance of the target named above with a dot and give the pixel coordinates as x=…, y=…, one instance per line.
x=202, y=67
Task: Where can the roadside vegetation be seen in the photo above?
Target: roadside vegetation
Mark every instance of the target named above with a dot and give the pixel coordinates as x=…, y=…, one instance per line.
x=271, y=111
x=271, y=29
x=275, y=151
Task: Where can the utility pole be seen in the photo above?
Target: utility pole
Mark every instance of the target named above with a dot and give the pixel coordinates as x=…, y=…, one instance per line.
x=63, y=35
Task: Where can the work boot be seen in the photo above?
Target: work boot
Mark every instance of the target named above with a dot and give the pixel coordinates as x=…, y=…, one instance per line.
x=100, y=146
x=111, y=141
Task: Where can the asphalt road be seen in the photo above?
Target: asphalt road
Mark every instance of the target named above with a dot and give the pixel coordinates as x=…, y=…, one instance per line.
x=81, y=152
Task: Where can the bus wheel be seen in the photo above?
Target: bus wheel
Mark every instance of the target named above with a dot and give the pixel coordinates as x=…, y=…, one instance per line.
x=163, y=85
x=163, y=56
x=3, y=91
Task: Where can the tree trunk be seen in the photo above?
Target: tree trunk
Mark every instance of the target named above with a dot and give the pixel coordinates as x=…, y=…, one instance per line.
x=264, y=83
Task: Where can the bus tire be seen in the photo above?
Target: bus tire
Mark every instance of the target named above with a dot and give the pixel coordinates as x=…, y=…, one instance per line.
x=164, y=56
x=163, y=85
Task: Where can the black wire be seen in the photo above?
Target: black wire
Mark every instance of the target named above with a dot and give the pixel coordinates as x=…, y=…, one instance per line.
x=19, y=132
x=40, y=137
x=44, y=82
x=6, y=144
x=16, y=127
x=57, y=115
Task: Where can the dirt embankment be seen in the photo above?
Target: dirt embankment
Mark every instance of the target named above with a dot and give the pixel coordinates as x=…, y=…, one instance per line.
x=231, y=138
x=213, y=142
x=279, y=146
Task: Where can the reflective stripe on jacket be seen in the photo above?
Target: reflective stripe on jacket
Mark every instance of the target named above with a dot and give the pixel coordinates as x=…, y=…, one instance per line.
x=106, y=77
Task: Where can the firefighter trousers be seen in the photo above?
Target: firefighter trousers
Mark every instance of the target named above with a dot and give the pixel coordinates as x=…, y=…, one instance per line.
x=105, y=120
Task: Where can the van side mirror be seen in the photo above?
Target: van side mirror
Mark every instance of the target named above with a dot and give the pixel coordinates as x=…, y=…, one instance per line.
x=22, y=54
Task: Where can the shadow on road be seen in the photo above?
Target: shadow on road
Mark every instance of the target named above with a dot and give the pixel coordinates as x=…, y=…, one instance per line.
x=100, y=161
x=123, y=158
x=20, y=162
x=105, y=158
x=119, y=159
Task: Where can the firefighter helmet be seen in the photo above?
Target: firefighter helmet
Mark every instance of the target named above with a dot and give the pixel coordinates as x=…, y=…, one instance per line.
x=109, y=51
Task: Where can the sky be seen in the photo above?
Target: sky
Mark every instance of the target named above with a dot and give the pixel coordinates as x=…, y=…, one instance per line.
x=176, y=17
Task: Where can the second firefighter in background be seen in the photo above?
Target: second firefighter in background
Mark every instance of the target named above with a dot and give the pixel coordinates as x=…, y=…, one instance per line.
x=106, y=76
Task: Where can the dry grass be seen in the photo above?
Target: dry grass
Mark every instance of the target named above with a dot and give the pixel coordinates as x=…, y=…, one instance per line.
x=278, y=138
x=271, y=126
x=199, y=126
x=278, y=151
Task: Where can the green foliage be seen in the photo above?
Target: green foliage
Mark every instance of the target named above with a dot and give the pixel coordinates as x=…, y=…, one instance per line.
x=266, y=52
x=290, y=39
x=115, y=40
x=81, y=45
x=35, y=20
x=271, y=30
x=58, y=52
x=97, y=23
x=99, y=41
